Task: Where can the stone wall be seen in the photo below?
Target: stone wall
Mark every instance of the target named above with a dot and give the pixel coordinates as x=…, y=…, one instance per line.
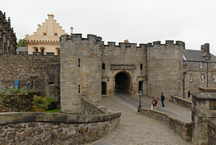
x=164, y=68
x=41, y=71
x=199, y=74
x=54, y=128
x=203, y=117
x=195, y=76
x=181, y=101
x=183, y=129
x=212, y=132
x=92, y=108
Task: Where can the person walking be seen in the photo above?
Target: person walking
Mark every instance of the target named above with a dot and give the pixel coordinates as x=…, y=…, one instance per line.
x=162, y=98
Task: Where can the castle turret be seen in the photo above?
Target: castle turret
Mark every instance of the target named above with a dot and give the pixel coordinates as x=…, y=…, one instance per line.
x=164, y=66
x=80, y=70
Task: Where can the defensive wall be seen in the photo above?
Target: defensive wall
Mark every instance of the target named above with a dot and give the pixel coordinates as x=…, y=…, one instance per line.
x=41, y=71
x=37, y=128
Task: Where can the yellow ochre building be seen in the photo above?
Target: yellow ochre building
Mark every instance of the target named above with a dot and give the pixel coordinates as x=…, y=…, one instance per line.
x=45, y=40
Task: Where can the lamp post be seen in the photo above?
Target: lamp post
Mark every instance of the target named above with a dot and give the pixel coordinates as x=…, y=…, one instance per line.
x=140, y=105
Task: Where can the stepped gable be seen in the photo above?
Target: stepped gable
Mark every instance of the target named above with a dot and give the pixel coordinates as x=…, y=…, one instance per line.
x=49, y=31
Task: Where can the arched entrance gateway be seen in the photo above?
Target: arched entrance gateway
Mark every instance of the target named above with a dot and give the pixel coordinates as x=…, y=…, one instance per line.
x=122, y=83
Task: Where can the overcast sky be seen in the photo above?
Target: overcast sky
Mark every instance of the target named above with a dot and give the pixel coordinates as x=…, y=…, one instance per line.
x=139, y=21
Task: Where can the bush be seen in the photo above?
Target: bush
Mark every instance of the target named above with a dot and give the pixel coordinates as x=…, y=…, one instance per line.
x=23, y=100
x=16, y=100
x=41, y=103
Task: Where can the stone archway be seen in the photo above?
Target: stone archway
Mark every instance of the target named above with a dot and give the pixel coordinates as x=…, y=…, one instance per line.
x=122, y=83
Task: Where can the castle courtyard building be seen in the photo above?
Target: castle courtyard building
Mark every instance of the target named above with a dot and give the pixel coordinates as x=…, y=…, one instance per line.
x=45, y=40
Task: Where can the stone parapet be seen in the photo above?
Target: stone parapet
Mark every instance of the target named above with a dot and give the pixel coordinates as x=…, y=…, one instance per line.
x=54, y=128
x=183, y=129
x=92, y=108
x=212, y=131
x=181, y=101
x=203, y=117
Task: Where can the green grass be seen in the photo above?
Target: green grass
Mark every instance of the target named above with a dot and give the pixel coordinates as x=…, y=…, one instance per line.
x=54, y=110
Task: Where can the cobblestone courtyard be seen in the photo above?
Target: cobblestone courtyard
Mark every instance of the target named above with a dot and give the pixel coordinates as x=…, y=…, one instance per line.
x=136, y=129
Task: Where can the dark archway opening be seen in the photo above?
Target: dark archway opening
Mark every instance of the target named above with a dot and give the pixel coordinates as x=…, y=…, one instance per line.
x=104, y=88
x=122, y=83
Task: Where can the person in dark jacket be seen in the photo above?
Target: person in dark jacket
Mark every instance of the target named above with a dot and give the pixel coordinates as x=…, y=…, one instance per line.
x=162, y=98
x=189, y=94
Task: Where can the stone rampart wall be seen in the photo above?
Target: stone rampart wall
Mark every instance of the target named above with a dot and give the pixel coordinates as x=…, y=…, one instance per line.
x=41, y=71
x=181, y=128
x=54, y=128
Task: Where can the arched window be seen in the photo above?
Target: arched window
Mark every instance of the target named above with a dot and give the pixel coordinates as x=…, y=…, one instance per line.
x=42, y=50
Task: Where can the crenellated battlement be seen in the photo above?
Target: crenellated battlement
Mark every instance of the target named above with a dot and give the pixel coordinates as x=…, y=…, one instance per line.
x=78, y=37
x=147, y=45
x=112, y=44
x=169, y=42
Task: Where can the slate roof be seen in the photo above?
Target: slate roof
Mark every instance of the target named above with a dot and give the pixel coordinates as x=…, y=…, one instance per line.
x=196, y=55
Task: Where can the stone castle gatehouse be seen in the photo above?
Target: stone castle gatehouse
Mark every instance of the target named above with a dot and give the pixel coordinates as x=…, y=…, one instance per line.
x=90, y=68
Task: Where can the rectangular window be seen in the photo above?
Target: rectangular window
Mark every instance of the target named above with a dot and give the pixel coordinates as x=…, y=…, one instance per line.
x=104, y=88
x=140, y=86
x=78, y=62
x=141, y=66
x=212, y=105
x=103, y=66
x=79, y=89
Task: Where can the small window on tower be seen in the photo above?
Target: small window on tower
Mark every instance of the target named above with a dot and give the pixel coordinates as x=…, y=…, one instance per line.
x=78, y=62
x=141, y=66
x=56, y=34
x=103, y=66
x=44, y=34
x=79, y=89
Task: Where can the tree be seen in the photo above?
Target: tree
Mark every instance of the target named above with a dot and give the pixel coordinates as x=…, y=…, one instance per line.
x=22, y=43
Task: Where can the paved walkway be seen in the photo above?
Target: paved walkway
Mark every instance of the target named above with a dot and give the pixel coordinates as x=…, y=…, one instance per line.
x=136, y=129
x=173, y=110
